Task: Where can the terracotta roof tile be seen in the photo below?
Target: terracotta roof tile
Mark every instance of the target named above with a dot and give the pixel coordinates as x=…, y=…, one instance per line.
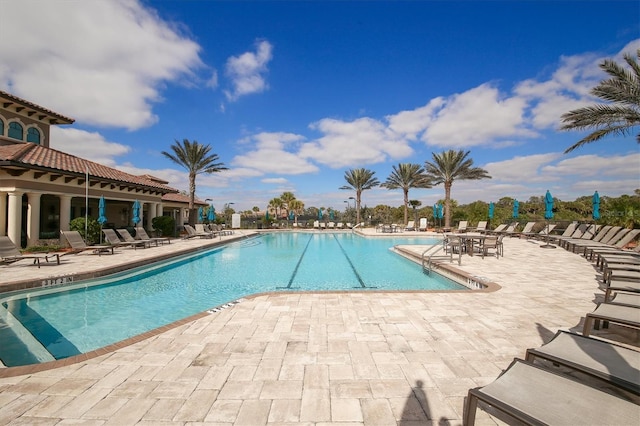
x=181, y=198
x=15, y=99
x=29, y=154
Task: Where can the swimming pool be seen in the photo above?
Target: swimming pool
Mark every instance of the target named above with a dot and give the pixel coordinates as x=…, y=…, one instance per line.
x=43, y=325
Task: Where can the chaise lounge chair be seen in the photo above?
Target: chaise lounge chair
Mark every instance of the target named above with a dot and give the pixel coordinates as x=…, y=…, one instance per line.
x=141, y=234
x=604, y=360
x=127, y=237
x=78, y=245
x=192, y=233
x=114, y=240
x=9, y=253
x=535, y=396
x=617, y=314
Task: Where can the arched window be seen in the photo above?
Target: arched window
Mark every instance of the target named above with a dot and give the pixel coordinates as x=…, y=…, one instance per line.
x=33, y=135
x=15, y=130
x=1, y=127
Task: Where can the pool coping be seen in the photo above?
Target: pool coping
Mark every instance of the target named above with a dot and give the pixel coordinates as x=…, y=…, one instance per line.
x=451, y=272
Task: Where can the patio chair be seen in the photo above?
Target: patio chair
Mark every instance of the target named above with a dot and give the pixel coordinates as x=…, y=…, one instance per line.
x=422, y=224
x=141, y=234
x=192, y=233
x=604, y=236
x=492, y=242
x=534, y=395
x=127, y=237
x=499, y=228
x=542, y=234
x=527, y=229
x=619, y=241
x=78, y=245
x=614, y=287
x=411, y=226
x=482, y=226
x=201, y=229
x=615, y=364
x=571, y=231
x=114, y=240
x=9, y=253
x=617, y=314
x=462, y=226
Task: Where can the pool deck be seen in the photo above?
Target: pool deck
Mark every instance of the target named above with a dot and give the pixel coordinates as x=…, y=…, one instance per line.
x=340, y=358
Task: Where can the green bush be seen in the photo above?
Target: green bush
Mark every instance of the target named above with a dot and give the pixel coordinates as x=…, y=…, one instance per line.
x=165, y=224
x=93, y=229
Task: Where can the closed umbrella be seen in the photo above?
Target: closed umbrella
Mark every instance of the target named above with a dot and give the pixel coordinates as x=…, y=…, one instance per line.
x=291, y=215
x=492, y=209
x=435, y=211
x=331, y=215
x=548, y=214
x=102, y=218
x=211, y=215
x=319, y=214
x=516, y=207
x=266, y=215
x=548, y=206
x=440, y=211
x=200, y=214
x=596, y=206
x=136, y=212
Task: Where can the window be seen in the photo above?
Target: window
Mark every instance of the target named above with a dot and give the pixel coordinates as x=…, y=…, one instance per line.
x=15, y=130
x=1, y=128
x=33, y=135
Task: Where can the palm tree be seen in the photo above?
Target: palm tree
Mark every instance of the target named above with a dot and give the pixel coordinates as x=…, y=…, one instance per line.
x=359, y=180
x=287, y=198
x=276, y=204
x=197, y=159
x=406, y=176
x=297, y=206
x=618, y=117
x=449, y=166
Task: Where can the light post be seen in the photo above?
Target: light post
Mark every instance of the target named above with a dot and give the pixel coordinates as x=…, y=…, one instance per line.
x=226, y=211
x=354, y=206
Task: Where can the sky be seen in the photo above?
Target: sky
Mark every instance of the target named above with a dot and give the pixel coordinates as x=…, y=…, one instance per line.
x=291, y=95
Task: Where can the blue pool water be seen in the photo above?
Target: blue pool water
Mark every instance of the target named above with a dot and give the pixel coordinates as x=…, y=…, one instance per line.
x=43, y=325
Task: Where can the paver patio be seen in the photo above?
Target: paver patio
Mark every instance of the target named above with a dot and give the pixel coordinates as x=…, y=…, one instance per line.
x=343, y=358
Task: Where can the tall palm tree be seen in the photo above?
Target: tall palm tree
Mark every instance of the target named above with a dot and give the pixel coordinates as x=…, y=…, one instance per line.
x=405, y=176
x=197, y=159
x=287, y=198
x=360, y=180
x=449, y=166
x=297, y=206
x=617, y=117
x=276, y=204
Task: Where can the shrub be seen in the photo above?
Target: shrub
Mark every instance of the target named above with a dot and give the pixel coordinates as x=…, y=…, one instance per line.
x=165, y=224
x=93, y=229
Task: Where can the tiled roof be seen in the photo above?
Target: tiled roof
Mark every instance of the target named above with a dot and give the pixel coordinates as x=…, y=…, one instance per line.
x=181, y=198
x=30, y=155
x=25, y=103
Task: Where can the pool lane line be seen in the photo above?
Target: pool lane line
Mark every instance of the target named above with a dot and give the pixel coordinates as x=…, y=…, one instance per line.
x=295, y=270
x=353, y=268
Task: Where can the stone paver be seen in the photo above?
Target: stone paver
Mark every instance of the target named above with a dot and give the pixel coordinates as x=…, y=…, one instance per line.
x=379, y=358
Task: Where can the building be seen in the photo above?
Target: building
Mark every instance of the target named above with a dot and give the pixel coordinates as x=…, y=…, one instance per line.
x=43, y=189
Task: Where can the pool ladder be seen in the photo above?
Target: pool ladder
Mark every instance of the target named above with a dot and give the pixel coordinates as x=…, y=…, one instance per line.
x=432, y=252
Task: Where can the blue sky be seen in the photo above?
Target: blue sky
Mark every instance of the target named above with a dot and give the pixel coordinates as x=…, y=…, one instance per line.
x=290, y=95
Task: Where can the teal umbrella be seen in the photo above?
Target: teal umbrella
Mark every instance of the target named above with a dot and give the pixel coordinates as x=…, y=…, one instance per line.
x=331, y=215
x=102, y=218
x=319, y=214
x=435, y=211
x=440, y=211
x=548, y=206
x=266, y=215
x=200, y=214
x=291, y=215
x=596, y=206
x=136, y=212
x=516, y=207
x=492, y=209
x=212, y=214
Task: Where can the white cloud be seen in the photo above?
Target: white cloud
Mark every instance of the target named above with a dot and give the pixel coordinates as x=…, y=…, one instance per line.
x=100, y=62
x=278, y=181
x=275, y=153
x=477, y=117
x=354, y=143
x=521, y=167
x=412, y=122
x=246, y=71
x=88, y=145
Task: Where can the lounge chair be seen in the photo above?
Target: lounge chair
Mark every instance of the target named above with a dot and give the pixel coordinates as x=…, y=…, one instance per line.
x=482, y=226
x=619, y=241
x=462, y=226
x=499, y=228
x=339, y=225
x=572, y=231
x=534, y=395
x=542, y=234
x=624, y=315
x=411, y=226
x=9, y=253
x=607, y=361
x=78, y=245
x=127, y=237
x=604, y=238
x=588, y=232
x=141, y=234
x=114, y=240
x=509, y=230
x=616, y=286
x=528, y=227
x=422, y=224
x=200, y=229
x=192, y=233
